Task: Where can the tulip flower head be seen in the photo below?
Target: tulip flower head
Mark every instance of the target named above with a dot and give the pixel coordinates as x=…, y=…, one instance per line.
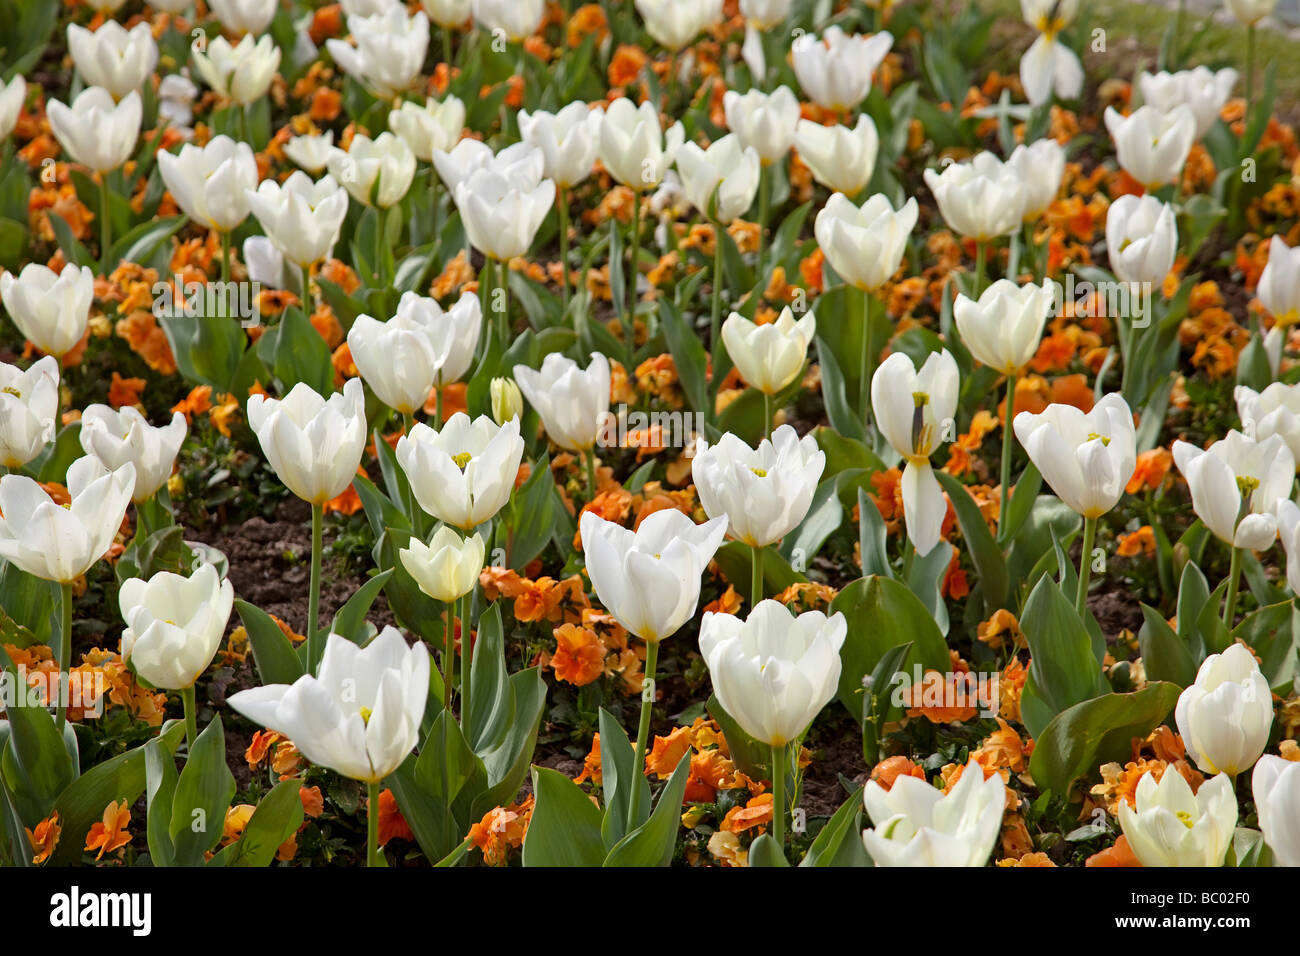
x=1086, y=458
x=174, y=624
x=241, y=73
x=765, y=14
x=450, y=14
x=764, y=122
x=313, y=443
x=435, y=125
x=502, y=214
x=516, y=20
x=633, y=147
x=982, y=199
x=1236, y=484
x=864, y=245
x=1279, y=283
x=374, y=171
x=1276, y=788
x=1171, y=826
x=769, y=356
x=1004, y=327
x=1225, y=716
x=835, y=69
x=95, y=131
x=840, y=158
x=113, y=57
x=1141, y=238
x=12, y=95
x=211, y=183
x=1040, y=166
x=389, y=51
x=301, y=218
x=464, y=473
x=1202, y=90
x=720, y=181
x=447, y=567
x=1274, y=411
x=917, y=824
x=675, y=23
x=51, y=309
x=313, y=152
x=119, y=436
x=1152, y=144
x=567, y=139
x=29, y=409
x=1250, y=12
x=573, y=402
x=244, y=16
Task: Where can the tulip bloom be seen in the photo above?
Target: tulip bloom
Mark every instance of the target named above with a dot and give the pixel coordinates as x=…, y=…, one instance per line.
x=764, y=122
x=516, y=19
x=241, y=73
x=210, y=183
x=913, y=409
x=50, y=309
x=119, y=436
x=919, y=825
x=1040, y=167
x=1288, y=522
x=464, y=473
x=720, y=181
x=982, y=199
x=1202, y=90
x=502, y=214
x=95, y=131
x=765, y=14
x=313, y=153
x=675, y=23
x=376, y=170
x=113, y=57
x=769, y=356
x=1049, y=66
x=573, y=402
x=1276, y=788
x=448, y=14
x=1279, y=283
x=301, y=218
x=633, y=148
x=840, y=158
x=1151, y=144
x=244, y=16
x=12, y=95
x=29, y=409
x=835, y=70
x=1274, y=411
x=1141, y=239
x=1225, y=716
x=507, y=400
x=388, y=53
x=433, y=126
x=446, y=569
x=1173, y=827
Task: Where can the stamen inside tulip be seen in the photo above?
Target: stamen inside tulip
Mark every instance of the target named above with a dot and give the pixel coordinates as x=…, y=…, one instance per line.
x=462, y=459
x=11, y=390
x=365, y=715
x=1094, y=436
x=761, y=472
x=1186, y=817
x=1247, y=484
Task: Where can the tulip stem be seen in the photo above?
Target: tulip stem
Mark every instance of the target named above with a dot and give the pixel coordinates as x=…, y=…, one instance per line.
x=65, y=655
x=590, y=458
x=634, y=256
x=191, y=718
x=313, y=595
x=105, y=225
x=767, y=415
x=764, y=200
x=562, y=198
x=1008, y=439
x=1250, y=65
x=408, y=423
x=979, y=268
x=756, y=580
x=778, y=795
x=373, y=857
x=466, y=662
x=306, y=289
x=1234, y=578
x=1085, y=565
x=449, y=656
x=446, y=48
x=503, y=278
x=715, y=315
x=864, y=362
x=643, y=732
x=225, y=258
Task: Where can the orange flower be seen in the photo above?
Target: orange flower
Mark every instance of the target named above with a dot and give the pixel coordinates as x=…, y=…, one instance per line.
x=1121, y=854
x=591, y=764
x=626, y=65
x=728, y=602
x=891, y=768
x=198, y=401
x=667, y=752
x=313, y=803
x=125, y=391
x=755, y=813
x=391, y=822
x=44, y=838
x=1152, y=467
x=141, y=331
x=500, y=830
x=1142, y=541
x=579, y=658
x=110, y=833
x=1000, y=628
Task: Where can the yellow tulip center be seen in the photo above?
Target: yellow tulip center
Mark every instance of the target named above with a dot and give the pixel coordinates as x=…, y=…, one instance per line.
x=1247, y=484
x=1094, y=436
x=1186, y=817
x=365, y=715
x=921, y=432
x=462, y=459
x=761, y=472
x=11, y=390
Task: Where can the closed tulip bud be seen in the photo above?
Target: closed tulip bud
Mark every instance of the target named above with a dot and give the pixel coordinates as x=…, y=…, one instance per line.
x=12, y=95
x=313, y=443
x=211, y=183
x=516, y=19
x=404, y=358
x=242, y=73
x=1049, y=66
x=567, y=140
x=507, y=401
x=773, y=672
x=389, y=51
x=1174, y=827
x=864, y=245
x=720, y=181
x=117, y=437
x=1086, y=458
x=375, y=171
x=675, y=23
x=1279, y=283
x=244, y=16
x=450, y=14
x=360, y=715
x=765, y=492
x=1276, y=788
x=1141, y=239
x=765, y=14
x=913, y=409
x=29, y=409
x=573, y=402
x=50, y=309
x=115, y=58
x=1003, y=328
x=1250, y=12
x=769, y=356
x=60, y=543
x=981, y=199
x=1152, y=144
x=1202, y=90
x=649, y=579
x=763, y=122
x=464, y=474
x=919, y=825
x=95, y=131
x=312, y=153
x=502, y=215
x=633, y=148
x=300, y=217
x=835, y=69
x=433, y=126
x=447, y=567
x=1274, y=411
x=1040, y=167
x=1238, y=478
x=1225, y=716
x=174, y=625
x=840, y=158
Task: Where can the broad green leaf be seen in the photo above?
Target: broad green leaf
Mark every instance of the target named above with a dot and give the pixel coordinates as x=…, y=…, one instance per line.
x=203, y=794
x=565, y=826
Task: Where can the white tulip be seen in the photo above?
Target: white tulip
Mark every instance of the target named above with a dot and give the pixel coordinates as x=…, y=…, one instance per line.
x=1202, y=90
x=176, y=95
x=401, y=359
x=465, y=319
x=725, y=167
x=312, y=153
x=769, y=356
x=835, y=69
x=447, y=567
x=464, y=473
x=1276, y=787
x=981, y=199
x=1040, y=167
x=366, y=8
x=117, y=59
x=1086, y=459
x=567, y=139
x=242, y=73
x=431, y=127
x=515, y=19
x=50, y=309
x=210, y=183
x=174, y=625
x=765, y=14
x=300, y=217
x=1049, y=66
x=764, y=122
x=507, y=400
x=1279, y=283
x=1288, y=526
x=573, y=402
x=633, y=148
x=675, y=23
x=1250, y=12
x=29, y=410
x=501, y=216
x=95, y=131
x=1141, y=238
x=313, y=443
x=378, y=170
x=919, y=825
x=61, y=543
x=864, y=245
x=1274, y=411
x=649, y=579
x=116, y=437
x=1174, y=827
x=12, y=95
x=360, y=716
x=244, y=16
x=450, y=14
x=1152, y=144
x=520, y=163
x=1225, y=716
x=266, y=265
x=840, y=158
x=1004, y=327
x=389, y=50
x=1233, y=474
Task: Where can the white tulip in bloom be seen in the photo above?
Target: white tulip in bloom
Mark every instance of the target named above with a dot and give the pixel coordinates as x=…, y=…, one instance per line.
x=425, y=129
x=982, y=199
x=375, y=171
x=211, y=183
x=465, y=319
x=567, y=139
x=840, y=158
x=764, y=122
x=864, y=245
x=1152, y=144
x=765, y=14
x=95, y=131
x=1004, y=327
x=447, y=13
x=1047, y=67
x=917, y=824
x=61, y=543
x=763, y=492
x=50, y=309
x=389, y=50
x=241, y=73
x=1202, y=90
x=447, y=567
x=835, y=69
x=1040, y=167
x=1288, y=526
x=463, y=474
x=29, y=410
x=1274, y=411
x=1086, y=459
x=174, y=624
x=266, y=265
x=1233, y=474
x=300, y=217
x=400, y=359
x=773, y=672
x=1279, y=283
x=123, y=435
x=649, y=579
x=244, y=16
x=1141, y=238
x=312, y=153
x=12, y=95
x=519, y=162
x=633, y=147
x=769, y=356
x=1250, y=12
x=360, y=716
x=726, y=167
x=1224, y=718
x=501, y=215
x=573, y=402
x=1174, y=827
x=913, y=409
x=1276, y=787
x=313, y=443
x=115, y=58
x=675, y=23
x=515, y=19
